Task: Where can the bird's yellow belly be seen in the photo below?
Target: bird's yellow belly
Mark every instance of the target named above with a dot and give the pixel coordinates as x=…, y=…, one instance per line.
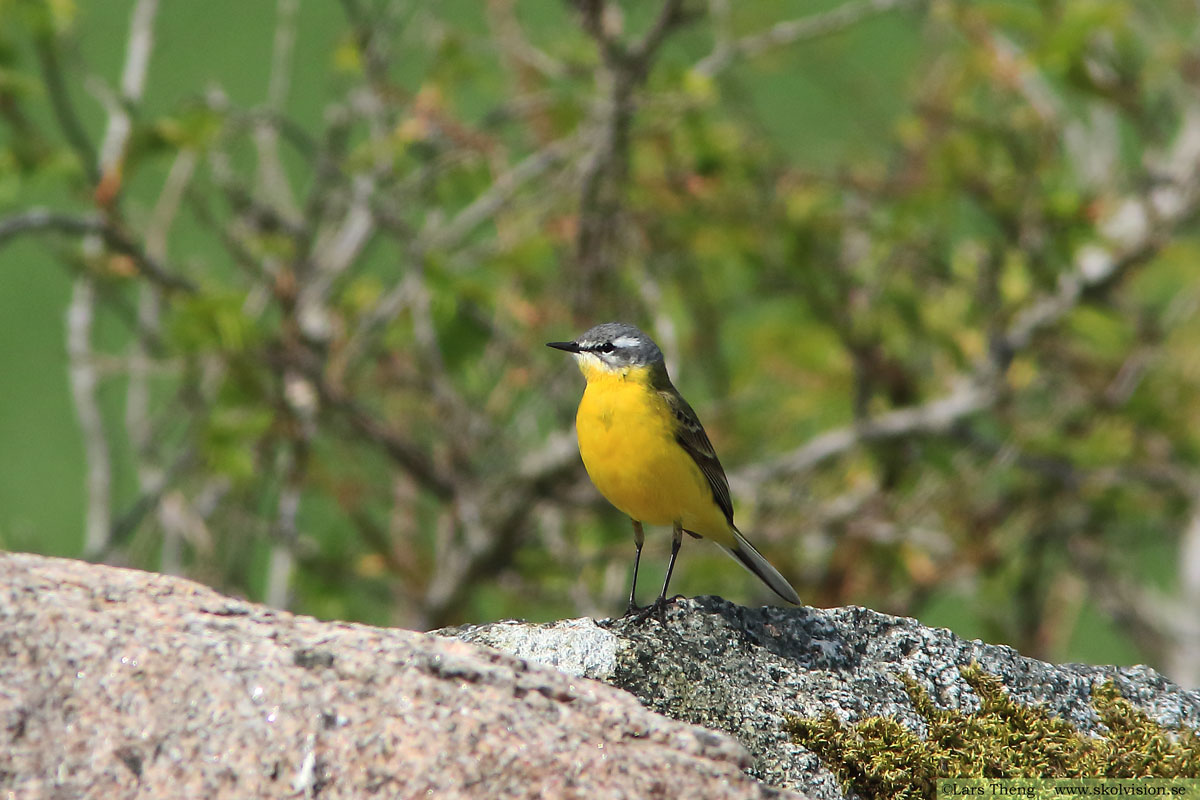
x=630, y=452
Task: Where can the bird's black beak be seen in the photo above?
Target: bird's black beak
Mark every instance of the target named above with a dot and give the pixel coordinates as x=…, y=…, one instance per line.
x=570, y=347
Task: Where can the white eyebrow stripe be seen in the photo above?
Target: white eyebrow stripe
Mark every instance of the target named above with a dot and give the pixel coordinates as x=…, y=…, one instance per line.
x=626, y=341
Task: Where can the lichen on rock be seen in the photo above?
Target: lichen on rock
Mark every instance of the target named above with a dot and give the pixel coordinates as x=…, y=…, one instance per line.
x=879, y=757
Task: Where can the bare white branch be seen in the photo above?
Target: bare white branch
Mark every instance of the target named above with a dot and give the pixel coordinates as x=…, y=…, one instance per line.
x=791, y=31
x=151, y=473
x=133, y=82
x=283, y=555
x=272, y=179
x=337, y=248
x=516, y=47
x=83, y=380
x=83, y=377
x=1031, y=83
x=1182, y=659
x=935, y=417
x=494, y=198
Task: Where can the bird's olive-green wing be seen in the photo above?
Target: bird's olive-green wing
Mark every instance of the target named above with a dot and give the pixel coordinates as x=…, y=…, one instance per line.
x=692, y=438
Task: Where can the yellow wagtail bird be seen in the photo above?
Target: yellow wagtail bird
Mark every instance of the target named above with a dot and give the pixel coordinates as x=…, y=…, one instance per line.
x=648, y=454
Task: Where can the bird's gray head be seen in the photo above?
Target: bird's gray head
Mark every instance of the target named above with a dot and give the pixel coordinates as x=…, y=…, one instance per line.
x=613, y=346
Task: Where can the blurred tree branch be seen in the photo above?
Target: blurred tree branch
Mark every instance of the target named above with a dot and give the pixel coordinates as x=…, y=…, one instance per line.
x=789, y=32
x=153, y=478
x=606, y=168
x=1140, y=227
x=64, y=110
x=39, y=220
x=941, y=360
x=107, y=176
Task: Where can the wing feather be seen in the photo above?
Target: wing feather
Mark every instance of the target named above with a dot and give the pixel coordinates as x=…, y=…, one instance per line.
x=692, y=438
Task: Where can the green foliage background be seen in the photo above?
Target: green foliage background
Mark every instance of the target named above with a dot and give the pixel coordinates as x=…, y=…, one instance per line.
x=841, y=227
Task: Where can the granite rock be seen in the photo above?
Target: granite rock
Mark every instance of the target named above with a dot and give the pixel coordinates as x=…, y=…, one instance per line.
x=744, y=671
x=120, y=684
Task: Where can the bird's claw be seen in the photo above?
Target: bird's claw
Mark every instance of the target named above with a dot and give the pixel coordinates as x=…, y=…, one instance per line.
x=657, y=609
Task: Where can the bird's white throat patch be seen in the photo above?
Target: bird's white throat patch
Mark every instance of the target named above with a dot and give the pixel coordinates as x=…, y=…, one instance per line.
x=591, y=364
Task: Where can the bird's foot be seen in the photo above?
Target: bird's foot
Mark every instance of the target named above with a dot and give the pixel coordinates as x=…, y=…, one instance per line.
x=657, y=609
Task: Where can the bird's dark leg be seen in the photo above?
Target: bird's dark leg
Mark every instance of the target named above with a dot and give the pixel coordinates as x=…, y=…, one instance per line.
x=639, y=537
x=675, y=543
x=659, y=607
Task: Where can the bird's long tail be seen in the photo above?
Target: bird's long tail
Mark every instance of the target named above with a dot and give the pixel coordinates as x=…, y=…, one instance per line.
x=749, y=557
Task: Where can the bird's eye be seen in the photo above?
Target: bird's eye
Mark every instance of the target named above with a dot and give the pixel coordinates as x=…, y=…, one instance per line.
x=607, y=347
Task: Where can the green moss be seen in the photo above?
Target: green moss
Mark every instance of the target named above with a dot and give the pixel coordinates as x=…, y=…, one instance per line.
x=878, y=757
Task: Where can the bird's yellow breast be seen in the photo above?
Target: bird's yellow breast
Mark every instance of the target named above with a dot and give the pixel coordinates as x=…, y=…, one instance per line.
x=627, y=441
